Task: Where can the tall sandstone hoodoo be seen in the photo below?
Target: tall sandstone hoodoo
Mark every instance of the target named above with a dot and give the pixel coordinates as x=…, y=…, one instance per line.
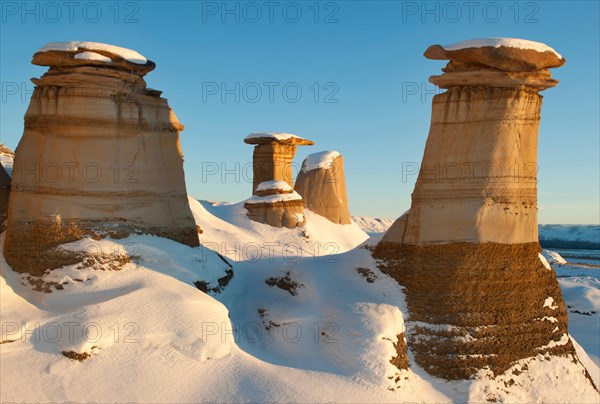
x=100, y=155
x=479, y=292
x=322, y=184
x=274, y=201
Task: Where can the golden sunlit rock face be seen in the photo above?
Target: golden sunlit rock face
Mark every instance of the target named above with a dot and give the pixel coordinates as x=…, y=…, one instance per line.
x=99, y=156
x=479, y=292
x=322, y=185
x=274, y=201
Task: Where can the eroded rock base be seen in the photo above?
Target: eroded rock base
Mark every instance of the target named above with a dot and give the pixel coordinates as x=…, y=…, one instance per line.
x=33, y=247
x=473, y=306
x=288, y=214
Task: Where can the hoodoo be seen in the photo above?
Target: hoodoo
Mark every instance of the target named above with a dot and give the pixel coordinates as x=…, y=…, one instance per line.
x=274, y=200
x=479, y=292
x=321, y=183
x=100, y=155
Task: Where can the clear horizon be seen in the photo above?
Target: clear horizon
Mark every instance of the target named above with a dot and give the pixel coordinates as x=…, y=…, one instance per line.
x=348, y=75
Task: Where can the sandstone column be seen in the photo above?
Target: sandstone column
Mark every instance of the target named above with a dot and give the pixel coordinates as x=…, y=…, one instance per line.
x=274, y=201
x=322, y=185
x=273, y=155
x=478, y=290
x=100, y=155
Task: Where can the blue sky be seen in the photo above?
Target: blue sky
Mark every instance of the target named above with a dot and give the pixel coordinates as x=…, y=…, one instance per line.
x=349, y=75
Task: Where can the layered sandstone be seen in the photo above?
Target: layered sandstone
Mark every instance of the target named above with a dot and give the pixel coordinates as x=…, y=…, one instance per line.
x=478, y=290
x=100, y=155
x=273, y=156
x=321, y=183
x=274, y=201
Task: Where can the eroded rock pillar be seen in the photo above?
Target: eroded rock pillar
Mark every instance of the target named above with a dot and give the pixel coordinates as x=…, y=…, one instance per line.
x=322, y=184
x=274, y=200
x=100, y=155
x=478, y=290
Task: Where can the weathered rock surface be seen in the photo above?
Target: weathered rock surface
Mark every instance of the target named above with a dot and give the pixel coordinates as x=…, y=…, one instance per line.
x=273, y=156
x=274, y=200
x=497, y=62
x=507, y=54
x=277, y=205
x=322, y=185
x=99, y=155
x=478, y=290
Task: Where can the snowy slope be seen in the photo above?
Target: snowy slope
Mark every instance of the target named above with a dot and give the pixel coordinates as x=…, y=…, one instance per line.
x=329, y=341
x=373, y=225
x=580, y=285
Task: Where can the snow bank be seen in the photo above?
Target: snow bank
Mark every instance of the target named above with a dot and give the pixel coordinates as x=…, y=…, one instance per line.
x=553, y=257
x=93, y=56
x=544, y=261
x=319, y=160
x=497, y=42
x=73, y=46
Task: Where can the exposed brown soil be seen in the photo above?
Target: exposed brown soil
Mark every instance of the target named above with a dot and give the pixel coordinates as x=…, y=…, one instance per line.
x=222, y=283
x=76, y=356
x=267, y=323
x=491, y=295
x=401, y=360
x=32, y=247
x=285, y=283
x=111, y=262
x=368, y=274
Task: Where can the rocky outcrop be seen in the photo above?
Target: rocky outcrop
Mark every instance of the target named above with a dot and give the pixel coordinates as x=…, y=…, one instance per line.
x=6, y=164
x=478, y=290
x=100, y=155
x=275, y=203
x=322, y=185
x=273, y=155
x=274, y=200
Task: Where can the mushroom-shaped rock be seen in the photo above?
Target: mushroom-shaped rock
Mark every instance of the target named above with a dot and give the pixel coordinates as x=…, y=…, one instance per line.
x=322, y=185
x=501, y=62
x=100, y=155
x=277, y=205
x=273, y=155
x=467, y=250
x=77, y=53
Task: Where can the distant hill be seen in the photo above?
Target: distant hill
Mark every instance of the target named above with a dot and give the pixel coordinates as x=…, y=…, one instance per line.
x=574, y=236
x=570, y=236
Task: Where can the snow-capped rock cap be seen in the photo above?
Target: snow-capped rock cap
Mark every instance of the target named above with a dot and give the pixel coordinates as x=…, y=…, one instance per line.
x=508, y=54
x=318, y=160
x=79, y=53
x=277, y=137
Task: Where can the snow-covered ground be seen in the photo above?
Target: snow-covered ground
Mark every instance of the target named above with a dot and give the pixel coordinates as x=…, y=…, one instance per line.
x=373, y=225
x=297, y=321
